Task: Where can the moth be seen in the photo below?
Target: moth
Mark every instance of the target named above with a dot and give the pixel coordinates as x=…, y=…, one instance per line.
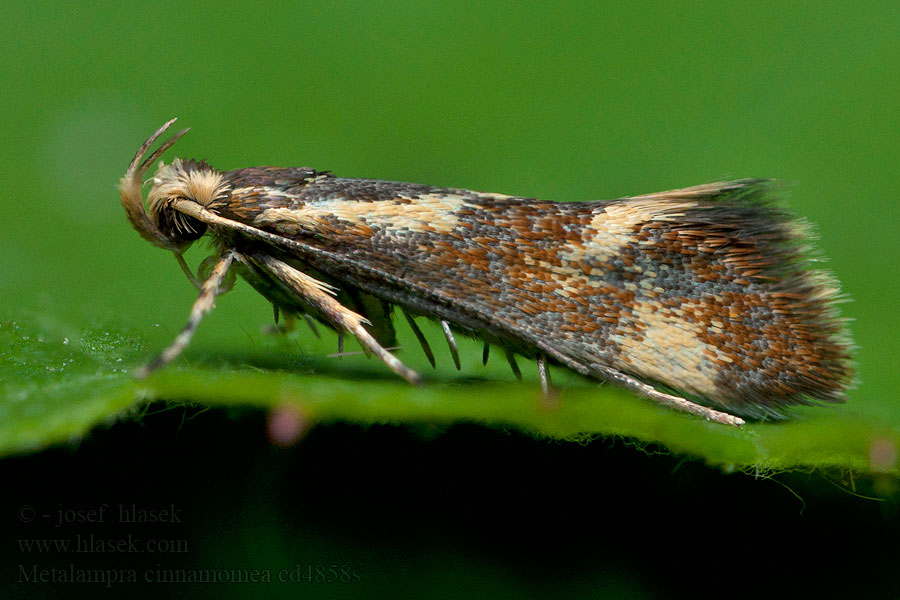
x=703, y=299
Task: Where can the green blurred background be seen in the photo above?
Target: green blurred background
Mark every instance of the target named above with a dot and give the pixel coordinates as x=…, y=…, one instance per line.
x=562, y=101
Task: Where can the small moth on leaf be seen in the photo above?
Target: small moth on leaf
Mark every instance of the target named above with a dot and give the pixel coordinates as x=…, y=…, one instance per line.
x=698, y=297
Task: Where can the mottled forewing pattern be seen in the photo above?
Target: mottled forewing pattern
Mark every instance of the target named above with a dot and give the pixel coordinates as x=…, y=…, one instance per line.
x=706, y=290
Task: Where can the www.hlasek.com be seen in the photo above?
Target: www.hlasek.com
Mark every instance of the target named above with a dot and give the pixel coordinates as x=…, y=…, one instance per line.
x=92, y=544
x=110, y=577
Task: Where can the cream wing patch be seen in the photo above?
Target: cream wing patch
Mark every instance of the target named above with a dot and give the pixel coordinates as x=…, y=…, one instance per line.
x=670, y=349
x=612, y=226
x=429, y=213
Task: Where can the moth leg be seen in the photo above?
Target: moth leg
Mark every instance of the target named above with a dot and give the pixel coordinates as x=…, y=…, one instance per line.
x=644, y=389
x=285, y=322
x=451, y=341
x=676, y=402
x=312, y=326
x=544, y=372
x=203, y=305
x=511, y=359
x=422, y=341
x=485, y=353
x=340, y=344
x=318, y=294
x=375, y=311
x=179, y=258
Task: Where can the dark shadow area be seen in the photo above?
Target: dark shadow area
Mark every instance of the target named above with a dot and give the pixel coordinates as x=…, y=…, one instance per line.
x=361, y=512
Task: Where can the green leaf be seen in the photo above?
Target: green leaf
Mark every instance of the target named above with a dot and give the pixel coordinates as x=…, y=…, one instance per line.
x=59, y=384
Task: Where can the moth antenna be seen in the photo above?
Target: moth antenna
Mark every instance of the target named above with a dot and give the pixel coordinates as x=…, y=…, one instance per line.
x=451, y=341
x=485, y=354
x=544, y=373
x=511, y=359
x=312, y=326
x=676, y=402
x=422, y=341
x=203, y=305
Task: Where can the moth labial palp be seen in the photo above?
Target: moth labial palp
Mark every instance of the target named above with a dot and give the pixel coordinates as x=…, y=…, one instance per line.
x=700, y=298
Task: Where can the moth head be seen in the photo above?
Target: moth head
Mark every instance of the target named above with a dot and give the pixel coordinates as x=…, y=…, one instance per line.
x=191, y=180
